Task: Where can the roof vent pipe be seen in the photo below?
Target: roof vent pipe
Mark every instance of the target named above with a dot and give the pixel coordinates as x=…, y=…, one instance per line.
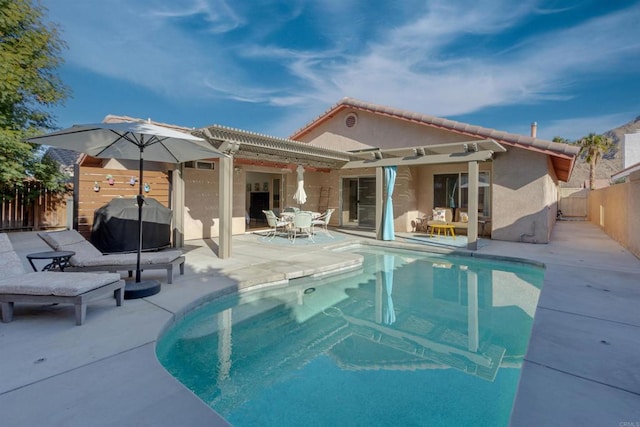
x=534, y=129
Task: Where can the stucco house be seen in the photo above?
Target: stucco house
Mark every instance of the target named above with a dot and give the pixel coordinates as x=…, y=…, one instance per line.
x=518, y=190
x=512, y=179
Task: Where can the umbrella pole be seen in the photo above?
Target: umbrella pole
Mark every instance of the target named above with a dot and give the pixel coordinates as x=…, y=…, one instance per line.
x=140, y=289
x=140, y=200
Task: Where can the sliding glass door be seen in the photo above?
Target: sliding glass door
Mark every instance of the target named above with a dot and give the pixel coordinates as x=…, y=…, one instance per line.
x=359, y=202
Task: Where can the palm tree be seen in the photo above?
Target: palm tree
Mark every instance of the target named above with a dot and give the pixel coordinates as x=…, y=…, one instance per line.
x=593, y=147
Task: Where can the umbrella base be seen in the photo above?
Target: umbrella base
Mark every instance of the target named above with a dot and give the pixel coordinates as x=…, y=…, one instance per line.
x=144, y=288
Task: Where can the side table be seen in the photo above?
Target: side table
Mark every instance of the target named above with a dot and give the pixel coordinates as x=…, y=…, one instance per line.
x=59, y=259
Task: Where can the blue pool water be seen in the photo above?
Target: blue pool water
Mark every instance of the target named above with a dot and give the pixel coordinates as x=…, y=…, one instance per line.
x=411, y=339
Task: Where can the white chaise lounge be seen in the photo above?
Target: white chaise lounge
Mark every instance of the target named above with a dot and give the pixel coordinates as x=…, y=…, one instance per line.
x=89, y=258
x=49, y=287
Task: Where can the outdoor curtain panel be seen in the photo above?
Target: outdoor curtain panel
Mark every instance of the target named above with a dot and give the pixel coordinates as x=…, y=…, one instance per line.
x=387, y=219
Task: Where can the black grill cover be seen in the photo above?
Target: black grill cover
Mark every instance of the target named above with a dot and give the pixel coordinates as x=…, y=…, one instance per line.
x=115, y=226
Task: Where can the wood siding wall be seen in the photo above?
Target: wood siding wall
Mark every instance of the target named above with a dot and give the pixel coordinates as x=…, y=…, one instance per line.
x=89, y=200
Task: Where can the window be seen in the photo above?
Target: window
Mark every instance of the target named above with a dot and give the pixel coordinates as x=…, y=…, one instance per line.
x=199, y=164
x=452, y=191
x=445, y=191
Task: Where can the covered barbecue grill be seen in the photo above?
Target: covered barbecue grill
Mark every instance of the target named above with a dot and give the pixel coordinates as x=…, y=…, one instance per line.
x=115, y=226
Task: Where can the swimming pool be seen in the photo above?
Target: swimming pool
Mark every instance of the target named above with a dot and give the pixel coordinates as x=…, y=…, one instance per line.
x=410, y=339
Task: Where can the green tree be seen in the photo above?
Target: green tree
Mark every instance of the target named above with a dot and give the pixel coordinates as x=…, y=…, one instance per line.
x=29, y=86
x=592, y=147
x=561, y=139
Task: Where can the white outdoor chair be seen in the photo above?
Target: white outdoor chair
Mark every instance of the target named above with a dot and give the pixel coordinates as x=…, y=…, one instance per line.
x=323, y=221
x=302, y=225
x=275, y=223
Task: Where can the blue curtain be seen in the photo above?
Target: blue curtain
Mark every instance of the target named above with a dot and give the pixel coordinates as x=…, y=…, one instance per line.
x=389, y=314
x=387, y=218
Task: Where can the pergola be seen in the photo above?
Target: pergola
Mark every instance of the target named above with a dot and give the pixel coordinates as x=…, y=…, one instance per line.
x=257, y=148
x=470, y=152
x=260, y=148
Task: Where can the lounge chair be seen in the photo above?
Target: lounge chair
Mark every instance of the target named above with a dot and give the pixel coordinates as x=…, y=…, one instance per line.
x=49, y=287
x=89, y=258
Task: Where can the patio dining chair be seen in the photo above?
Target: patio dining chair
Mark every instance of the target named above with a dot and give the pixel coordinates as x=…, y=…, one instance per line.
x=275, y=224
x=323, y=221
x=302, y=225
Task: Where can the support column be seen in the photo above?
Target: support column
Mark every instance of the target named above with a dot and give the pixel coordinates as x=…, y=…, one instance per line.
x=379, y=291
x=225, y=328
x=473, y=329
x=178, y=206
x=379, y=201
x=472, y=230
x=225, y=206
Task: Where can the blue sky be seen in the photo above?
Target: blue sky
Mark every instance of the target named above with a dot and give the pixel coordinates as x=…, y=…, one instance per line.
x=272, y=66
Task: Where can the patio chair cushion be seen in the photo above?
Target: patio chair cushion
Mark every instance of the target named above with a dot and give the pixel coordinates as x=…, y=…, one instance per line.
x=89, y=255
x=443, y=216
x=55, y=283
x=71, y=240
x=58, y=239
x=146, y=258
x=439, y=214
x=10, y=263
x=48, y=287
x=5, y=243
x=88, y=258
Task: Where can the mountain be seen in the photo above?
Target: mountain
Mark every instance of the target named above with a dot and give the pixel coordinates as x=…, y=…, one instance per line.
x=609, y=164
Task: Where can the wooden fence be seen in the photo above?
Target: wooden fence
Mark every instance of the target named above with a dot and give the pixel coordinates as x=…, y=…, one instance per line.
x=97, y=186
x=32, y=208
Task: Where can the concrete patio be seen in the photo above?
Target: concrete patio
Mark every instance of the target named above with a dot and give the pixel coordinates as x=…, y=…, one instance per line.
x=580, y=369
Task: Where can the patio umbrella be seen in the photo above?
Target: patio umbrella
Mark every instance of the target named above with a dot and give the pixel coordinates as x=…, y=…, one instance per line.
x=300, y=196
x=132, y=141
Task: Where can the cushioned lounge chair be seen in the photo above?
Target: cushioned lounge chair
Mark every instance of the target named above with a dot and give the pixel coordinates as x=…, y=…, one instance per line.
x=89, y=258
x=50, y=287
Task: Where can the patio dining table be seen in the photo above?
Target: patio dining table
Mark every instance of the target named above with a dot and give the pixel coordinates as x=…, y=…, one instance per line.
x=288, y=217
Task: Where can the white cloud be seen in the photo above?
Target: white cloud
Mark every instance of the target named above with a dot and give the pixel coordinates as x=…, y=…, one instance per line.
x=412, y=70
x=219, y=16
x=411, y=64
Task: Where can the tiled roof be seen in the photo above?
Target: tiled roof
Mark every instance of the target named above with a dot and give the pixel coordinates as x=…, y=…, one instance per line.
x=563, y=155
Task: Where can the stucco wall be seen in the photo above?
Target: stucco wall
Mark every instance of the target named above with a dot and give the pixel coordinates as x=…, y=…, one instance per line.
x=201, y=217
x=377, y=131
x=524, y=197
x=314, y=182
x=405, y=197
x=633, y=203
x=615, y=209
